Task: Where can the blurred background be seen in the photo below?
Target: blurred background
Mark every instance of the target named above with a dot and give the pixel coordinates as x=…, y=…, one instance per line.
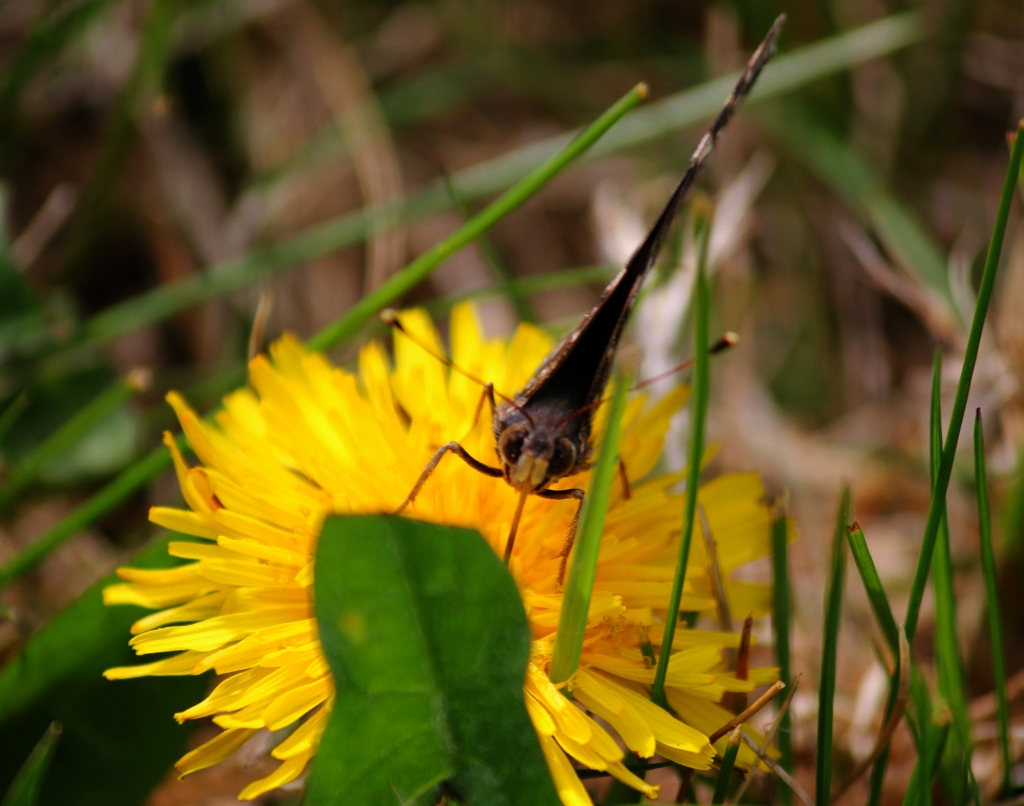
x=227, y=147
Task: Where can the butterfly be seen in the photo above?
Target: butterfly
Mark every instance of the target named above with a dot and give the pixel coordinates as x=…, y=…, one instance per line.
x=544, y=432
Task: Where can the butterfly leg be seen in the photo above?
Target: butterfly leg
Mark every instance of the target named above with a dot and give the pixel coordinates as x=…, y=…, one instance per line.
x=463, y=454
x=561, y=495
x=487, y=394
x=626, y=490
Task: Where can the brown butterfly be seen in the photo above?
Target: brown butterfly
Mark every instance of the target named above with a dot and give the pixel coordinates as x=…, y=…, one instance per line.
x=543, y=433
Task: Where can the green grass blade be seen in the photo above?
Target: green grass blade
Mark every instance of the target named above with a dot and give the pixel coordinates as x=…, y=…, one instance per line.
x=856, y=181
x=956, y=420
x=728, y=762
x=873, y=586
x=159, y=459
x=65, y=438
x=781, y=620
x=572, y=620
x=11, y=414
x=887, y=623
x=950, y=671
x=995, y=619
x=420, y=269
x=786, y=73
x=502, y=273
x=830, y=647
x=153, y=55
x=47, y=37
x=919, y=789
x=130, y=480
x=695, y=455
x=527, y=286
x=24, y=789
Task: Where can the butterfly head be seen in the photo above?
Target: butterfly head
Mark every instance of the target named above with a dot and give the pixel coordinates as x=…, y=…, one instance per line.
x=535, y=452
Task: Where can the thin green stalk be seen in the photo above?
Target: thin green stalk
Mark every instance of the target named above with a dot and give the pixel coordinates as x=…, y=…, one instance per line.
x=502, y=273
x=728, y=762
x=572, y=619
x=151, y=60
x=887, y=623
x=950, y=672
x=420, y=269
x=526, y=286
x=786, y=73
x=919, y=789
x=24, y=789
x=995, y=619
x=159, y=459
x=956, y=420
x=781, y=619
x=130, y=480
x=830, y=647
x=701, y=390
x=873, y=586
x=11, y=414
x=66, y=437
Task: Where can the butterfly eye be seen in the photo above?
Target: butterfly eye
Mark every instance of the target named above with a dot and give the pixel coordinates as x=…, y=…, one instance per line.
x=511, y=444
x=563, y=459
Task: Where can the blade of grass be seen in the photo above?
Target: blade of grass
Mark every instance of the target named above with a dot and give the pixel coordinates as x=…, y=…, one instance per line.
x=781, y=620
x=963, y=388
x=11, y=414
x=53, y=30
x=855, y=180
x=883, y=615
x=701, y=390
x=572, y=619
x=919, y=790
x=951, y=681
x=502, y=273
x=348, y=324
x=527, y=286
x=145, y=81
x=873, y=586
x=894, y=713
x=728, y=762
x=786, y=73
x=830, y=646
x=784, y=776
x=159, y=459
x=995, y=619
x=130, y=480
x=24, y=789
x=67, y=436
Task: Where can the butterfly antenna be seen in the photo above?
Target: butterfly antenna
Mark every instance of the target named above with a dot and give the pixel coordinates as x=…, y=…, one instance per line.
x=389, y=317
x=728, y=339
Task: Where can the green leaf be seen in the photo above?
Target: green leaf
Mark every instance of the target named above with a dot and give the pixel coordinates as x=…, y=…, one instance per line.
x=120, y=738
x=427, y=639
x=24, y=789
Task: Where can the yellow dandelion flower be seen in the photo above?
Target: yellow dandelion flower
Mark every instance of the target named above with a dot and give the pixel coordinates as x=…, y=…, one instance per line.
x=308, y=439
